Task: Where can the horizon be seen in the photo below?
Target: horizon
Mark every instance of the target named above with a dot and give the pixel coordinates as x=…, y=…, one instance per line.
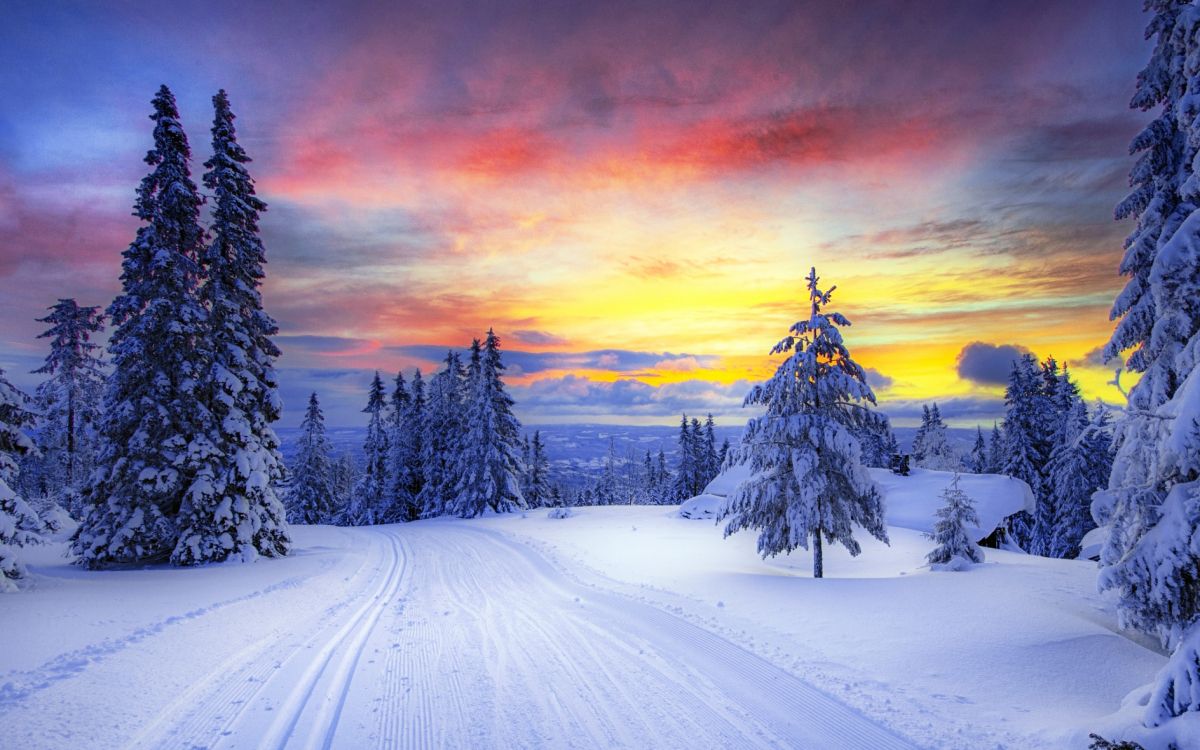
x=633, y=222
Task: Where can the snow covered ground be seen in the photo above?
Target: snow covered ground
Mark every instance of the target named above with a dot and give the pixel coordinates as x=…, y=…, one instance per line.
x=617, y=626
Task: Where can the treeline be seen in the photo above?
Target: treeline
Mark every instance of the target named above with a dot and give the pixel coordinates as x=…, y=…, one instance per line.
x=452, y=447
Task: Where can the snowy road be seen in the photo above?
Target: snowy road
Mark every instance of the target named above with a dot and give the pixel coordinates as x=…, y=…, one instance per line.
x=447, y=635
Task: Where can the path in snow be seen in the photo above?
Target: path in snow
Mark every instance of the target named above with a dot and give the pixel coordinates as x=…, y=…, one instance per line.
x=445, y=635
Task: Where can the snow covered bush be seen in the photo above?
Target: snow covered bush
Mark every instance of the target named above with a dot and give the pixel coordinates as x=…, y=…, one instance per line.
x=19, y=524
x=955, y=547
x=807, y=482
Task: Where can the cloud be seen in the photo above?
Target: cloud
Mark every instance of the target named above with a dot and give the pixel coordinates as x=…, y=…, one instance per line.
x=578, y=397
x=612, y=360
x=988, y=364
x=970, y=409
x=1094, y=358
x=538, y=338
x=877, y=379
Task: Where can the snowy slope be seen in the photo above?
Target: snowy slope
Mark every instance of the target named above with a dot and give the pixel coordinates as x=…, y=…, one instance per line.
x=614, y=627
x=909, y=502
x=432, y=634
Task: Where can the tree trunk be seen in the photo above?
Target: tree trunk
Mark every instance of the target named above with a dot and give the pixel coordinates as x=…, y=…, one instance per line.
x=818, y=556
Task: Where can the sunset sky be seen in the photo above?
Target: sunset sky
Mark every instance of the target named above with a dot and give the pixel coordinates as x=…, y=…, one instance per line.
x=630, y=194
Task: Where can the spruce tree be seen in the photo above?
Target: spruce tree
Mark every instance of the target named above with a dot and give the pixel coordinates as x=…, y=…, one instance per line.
x=954, y=544
x=712, y=464
x=154, y=408
x=685, y=474
x=977, y=462
x=443, y=438
x=918, y=442
x=230, y=509
x=1162, y=208
x=403, y=460
x=1079, y=466
x=539, y=473
x=808, y=484
x=19, y=524
x=68, y=402
x=995, y=454
x=369, y=501
x=490, y=461
x=312, y=494
x=936, y=451
x=1023, y=424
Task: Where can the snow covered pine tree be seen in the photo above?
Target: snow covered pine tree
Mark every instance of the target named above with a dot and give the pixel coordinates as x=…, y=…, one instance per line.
x=68, y=402
x=19, y=525
x=1151, y=509
x=955, y=547
x=152, y=405
x=808, y=482
x=312, y=495
x=230, y=509
x=490, y=473
x=369, y=500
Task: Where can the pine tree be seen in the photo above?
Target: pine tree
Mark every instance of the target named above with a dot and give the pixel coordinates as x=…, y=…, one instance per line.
x=369, y=501
x=1079, y=466
x=1023, y=458
x=404, y=457
x=712, y=463
x=808, y=483
x=918, y=442
x=936, y=451
x=954, y=543
x=345, y=476
x=1166, y=149
x=19, y=524
x=995, y=456
x=407, y=445
x=684, y=475
x=312, y=496
x=1152, y=504
x=491, y=455
x=68, y=402
x=539, y=473
x=153, y=407
x=230, y=509
x=977, y=462
x=443, y=439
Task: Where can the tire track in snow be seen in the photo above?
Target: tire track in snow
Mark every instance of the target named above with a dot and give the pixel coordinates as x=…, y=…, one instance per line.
x=204, y=711
x=565, y=666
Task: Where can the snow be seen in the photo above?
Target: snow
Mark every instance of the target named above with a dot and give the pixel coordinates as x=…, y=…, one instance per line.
x=624, y=626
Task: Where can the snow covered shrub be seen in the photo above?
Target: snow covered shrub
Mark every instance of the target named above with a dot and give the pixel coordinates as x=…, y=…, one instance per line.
x=563, y=512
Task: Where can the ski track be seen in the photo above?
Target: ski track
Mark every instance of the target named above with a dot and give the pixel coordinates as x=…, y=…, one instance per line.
x=447, y=635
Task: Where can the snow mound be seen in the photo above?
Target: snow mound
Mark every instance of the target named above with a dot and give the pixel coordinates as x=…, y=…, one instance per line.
x=702, y=506
x=909, y=502
x=563, y=512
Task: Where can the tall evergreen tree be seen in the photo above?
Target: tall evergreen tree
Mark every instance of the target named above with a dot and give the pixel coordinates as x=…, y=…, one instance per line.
x=712, y=463
x=369, y=501
x=68, y=402
x=19, y=524
x=153, y=407
x=230, y=508
x=312, y=494
x=977, y=461
x=808, y=484
x=1079, y=466
x=995, y=455
x=1023, y=440
x=539, y=473
x=404, y=458
x=491, y=455
x=686, y=473
x=443, y=438
x=1151, y=317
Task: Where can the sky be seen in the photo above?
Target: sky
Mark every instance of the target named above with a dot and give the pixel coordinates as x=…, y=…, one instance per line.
x=630, y=194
